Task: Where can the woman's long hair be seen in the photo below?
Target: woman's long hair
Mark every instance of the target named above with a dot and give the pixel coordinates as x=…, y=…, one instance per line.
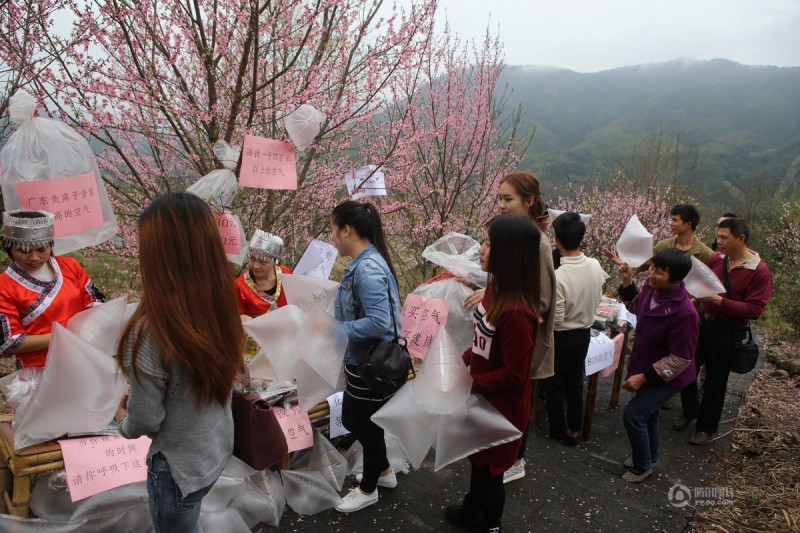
x=188, y=302
x=365, y=219
x=527, y=185
x=513, y=263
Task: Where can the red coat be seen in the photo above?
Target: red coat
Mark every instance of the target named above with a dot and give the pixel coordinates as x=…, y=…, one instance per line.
x=256, y=304
x=29, y=306
x=504, y=377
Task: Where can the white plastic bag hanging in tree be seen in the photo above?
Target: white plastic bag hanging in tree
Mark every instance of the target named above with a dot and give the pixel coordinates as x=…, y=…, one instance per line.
x=303, y=125
x=48, y=166
x=635, y=244
x=366, y=181
x=701, y=280
x=219, y=187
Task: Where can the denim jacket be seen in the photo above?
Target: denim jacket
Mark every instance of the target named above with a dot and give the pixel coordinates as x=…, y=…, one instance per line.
x=362, y=305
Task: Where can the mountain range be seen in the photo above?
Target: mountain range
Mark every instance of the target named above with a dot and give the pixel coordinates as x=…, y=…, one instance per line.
x=740, y=124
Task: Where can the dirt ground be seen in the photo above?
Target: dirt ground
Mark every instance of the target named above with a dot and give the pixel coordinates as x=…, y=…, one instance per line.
x=7, y=366
x=760, y=475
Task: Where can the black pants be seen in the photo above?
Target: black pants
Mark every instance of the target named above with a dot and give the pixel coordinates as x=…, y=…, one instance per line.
x=356, y=412
x=487, y=494
x=715, y=350
x=566, y=385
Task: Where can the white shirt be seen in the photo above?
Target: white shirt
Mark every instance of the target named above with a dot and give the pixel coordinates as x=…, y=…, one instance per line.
x=579, y=287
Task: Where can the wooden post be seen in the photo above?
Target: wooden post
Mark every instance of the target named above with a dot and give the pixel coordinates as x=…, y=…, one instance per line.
x=588, y=411
x=619, y=372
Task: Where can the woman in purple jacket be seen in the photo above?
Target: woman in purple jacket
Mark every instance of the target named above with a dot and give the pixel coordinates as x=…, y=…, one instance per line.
x=662, y=360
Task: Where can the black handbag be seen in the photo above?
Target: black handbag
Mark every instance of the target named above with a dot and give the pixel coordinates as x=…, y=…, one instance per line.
x=384, y=367
x=745, y=349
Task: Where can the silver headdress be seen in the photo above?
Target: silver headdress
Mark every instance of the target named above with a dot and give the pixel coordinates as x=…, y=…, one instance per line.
x=265, y=246
x=23, y=232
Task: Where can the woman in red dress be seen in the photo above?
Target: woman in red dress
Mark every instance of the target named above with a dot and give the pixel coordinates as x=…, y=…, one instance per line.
x=259, y=288
x=499, y=360
x=38, y=288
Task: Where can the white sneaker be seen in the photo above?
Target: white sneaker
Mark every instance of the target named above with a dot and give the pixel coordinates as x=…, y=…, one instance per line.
x=387, y=481
x=515, y=472
x=357, y=500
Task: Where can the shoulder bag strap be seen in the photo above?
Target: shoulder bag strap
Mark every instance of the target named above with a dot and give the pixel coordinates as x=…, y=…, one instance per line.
x=725, y=278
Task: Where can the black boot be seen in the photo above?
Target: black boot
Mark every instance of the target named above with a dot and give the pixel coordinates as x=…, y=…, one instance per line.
x=466, y=517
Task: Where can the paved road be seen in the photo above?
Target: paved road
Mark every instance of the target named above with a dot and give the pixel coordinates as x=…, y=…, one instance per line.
x=565, y=489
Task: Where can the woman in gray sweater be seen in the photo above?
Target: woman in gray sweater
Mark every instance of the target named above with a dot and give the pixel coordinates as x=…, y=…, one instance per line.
x=181, y=351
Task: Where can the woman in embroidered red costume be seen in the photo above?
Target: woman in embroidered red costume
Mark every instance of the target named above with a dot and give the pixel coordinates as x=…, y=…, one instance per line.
x=38, y=288
x=259, y=288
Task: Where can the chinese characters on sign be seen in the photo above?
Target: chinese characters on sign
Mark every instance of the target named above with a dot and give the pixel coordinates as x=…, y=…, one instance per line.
x=420, y=320
x=97, y=464
x=74, y=202
x=618, y=341
x=600, y=355
x=366, y=181
x=317, y=260
x=296, y=428
x=229, y=232
x=335, y=406
x=268, y=164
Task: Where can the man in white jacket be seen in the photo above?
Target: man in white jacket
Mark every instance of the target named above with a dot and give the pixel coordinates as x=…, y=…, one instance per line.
x=579, y=286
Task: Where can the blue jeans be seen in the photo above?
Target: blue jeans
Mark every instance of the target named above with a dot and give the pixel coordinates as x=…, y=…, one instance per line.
x=641, y=422
x=170, y=511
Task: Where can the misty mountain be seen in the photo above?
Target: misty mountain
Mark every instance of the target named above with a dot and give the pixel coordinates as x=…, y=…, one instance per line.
x=743, y=120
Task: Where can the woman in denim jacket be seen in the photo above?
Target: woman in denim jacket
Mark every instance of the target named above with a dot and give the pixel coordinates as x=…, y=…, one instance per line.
x=363, y=308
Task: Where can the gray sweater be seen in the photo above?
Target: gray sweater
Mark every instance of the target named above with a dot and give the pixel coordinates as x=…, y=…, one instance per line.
x=197, y=441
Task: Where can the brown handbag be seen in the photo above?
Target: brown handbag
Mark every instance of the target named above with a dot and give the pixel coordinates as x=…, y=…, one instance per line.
x=257, y=437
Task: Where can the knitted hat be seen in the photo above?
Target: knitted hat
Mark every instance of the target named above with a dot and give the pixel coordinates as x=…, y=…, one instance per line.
x=25, y=229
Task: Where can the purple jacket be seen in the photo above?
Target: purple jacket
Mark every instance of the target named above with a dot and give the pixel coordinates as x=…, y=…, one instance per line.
x=663, y=333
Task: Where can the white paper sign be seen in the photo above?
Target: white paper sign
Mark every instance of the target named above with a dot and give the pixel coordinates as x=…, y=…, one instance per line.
x=367, y=181
x=555, y=213
x=335, y=405
x=600, y=354
x=317, y=260
x=701, y=280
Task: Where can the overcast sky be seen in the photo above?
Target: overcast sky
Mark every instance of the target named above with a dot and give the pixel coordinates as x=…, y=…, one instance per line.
x=593, y=35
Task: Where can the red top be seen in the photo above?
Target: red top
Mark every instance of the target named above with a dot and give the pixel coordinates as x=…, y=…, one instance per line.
x=29, y=306
x=751, y=289
x=500, y=364
x=254, y=302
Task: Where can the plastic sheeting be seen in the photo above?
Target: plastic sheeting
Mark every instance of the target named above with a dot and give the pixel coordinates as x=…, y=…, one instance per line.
x=459, y=254
x=459, y=320
x=323, y=457
x=443, y=383
x=466, y=431
x=81, y=386
x=239, y=500
x=635, y=244
x=46, y=149
x=303, y=125
x=217, y=187
x=308, y=347
x=701, y=280
x=20, y=385
x=555, y=213
x=414, y=427
x=309, y=493
x=310, y=292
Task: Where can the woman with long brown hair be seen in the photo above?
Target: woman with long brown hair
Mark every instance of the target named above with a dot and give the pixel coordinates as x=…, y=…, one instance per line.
x=181, y=351
x=500, y=359
x=520, y=194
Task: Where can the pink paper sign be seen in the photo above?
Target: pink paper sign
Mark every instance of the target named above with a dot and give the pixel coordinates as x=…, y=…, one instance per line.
x=229, y=232
x=618, y=342
x=97, y=464
x=420, y=320
x=296, y=428
x=74, y=202
x=268, y=164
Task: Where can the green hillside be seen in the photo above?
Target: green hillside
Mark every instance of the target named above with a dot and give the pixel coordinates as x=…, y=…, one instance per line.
x=743, y=121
